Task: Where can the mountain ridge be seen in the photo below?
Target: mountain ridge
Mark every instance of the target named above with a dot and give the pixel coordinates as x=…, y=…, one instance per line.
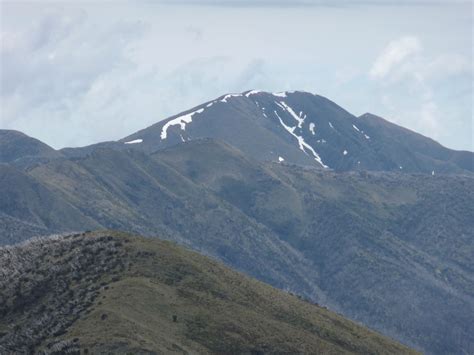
x=301, y=128
x=293, y=126
x=394, y=239
x=17, y=147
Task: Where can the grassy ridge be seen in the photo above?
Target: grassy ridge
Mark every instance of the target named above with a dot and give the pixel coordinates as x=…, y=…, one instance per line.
x=136, y=295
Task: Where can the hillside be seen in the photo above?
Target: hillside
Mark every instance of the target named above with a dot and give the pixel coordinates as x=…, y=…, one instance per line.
x=112, y=292
x=17, y=147
x=402, y=243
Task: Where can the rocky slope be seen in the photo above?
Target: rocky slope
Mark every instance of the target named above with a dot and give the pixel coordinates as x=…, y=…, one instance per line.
x=113, y=293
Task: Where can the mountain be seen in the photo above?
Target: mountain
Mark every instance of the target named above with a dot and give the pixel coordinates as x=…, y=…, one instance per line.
x=114, y=293
x=385, y=249
x=19, y=148
x=261, y=182
x=300, y=128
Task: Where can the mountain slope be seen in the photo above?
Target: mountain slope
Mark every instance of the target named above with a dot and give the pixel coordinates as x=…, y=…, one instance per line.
x=135, y=192
x=415, y=152
x=29, y=208
x=19, y=148
x=385, y=249
x=109, y=292
x=299, y=128
x=392, y=239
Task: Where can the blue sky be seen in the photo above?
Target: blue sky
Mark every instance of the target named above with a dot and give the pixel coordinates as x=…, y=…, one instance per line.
x=75, y=73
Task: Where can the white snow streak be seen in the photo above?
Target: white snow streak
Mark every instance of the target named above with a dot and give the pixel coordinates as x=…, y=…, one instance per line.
x=253, y=92
x=293, y=114
x=181, y=120
x=228, y=96
x=330, y=125
x=135, y=141
x=311, y=128
x=301, y=142
x=358, y=130
x=280, y=94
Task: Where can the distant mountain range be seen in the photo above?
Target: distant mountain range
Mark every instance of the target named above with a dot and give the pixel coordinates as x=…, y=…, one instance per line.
x=296, y=127
x=112, y=293
x=355, y=213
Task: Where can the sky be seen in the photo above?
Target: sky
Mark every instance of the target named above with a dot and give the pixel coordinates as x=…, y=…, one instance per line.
x=74, y=73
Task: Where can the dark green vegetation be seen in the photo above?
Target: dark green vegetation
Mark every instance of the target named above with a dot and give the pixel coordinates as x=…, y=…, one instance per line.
x=390, y=250
x=113, y=293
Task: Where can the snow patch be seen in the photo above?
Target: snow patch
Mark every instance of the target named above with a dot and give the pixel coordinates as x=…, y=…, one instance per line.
x=210, y=104
x=311, y=128
x=135, y=141
x=280, y=94
x=301, y=142
x=292, y=113
x=345, y=152
x=330, y=125
x=280, y=159
x=181, y=120
x=253, y=92
x=358, y=130
x=228, y=96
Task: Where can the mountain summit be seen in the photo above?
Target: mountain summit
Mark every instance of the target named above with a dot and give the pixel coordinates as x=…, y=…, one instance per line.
x=305, y=129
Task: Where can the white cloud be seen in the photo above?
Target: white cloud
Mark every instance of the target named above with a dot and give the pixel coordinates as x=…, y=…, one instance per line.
x=408, y=83
x=394, y=54
x=48, y=69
